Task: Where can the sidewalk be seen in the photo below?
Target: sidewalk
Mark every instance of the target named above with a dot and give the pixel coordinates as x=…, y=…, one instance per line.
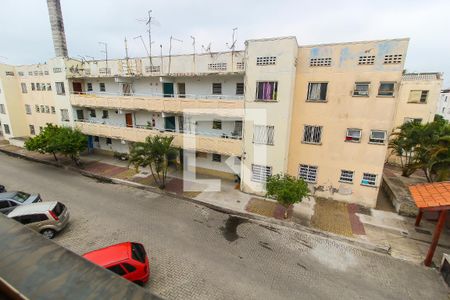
x=383, y=229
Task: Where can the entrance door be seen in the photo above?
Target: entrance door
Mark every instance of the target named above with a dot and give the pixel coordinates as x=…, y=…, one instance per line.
x=80, y=114
x=168, y=89
x=169, y=123
x=77, y=89
x=181, y=90
x=129, y=119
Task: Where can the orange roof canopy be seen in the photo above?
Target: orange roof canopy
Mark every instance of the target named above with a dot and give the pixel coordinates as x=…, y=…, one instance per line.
x=431, y=196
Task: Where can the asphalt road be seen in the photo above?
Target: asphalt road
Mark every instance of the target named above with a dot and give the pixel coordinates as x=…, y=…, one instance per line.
x=197, y=253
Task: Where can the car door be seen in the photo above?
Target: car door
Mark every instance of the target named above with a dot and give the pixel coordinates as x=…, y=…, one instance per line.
x=5, y=206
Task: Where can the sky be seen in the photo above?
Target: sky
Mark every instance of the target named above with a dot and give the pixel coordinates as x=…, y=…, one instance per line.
x=25, y=35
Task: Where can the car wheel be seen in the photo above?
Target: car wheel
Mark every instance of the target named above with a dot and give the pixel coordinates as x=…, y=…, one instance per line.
x=48, y=233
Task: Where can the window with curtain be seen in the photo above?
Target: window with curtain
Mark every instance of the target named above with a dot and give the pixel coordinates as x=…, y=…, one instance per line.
x=317, y=91
x=266, y=90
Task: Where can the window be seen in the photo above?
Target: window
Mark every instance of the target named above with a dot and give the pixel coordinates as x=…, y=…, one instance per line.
x=117, y=269
x=129, y=267
x=261, y=173
x=2, y=109
x=240, y=65
x=21, y=73
x=89, y=86
x=216, y=157
x=312, y=134
x=346, y=176
x=240, y=88
x=266, y=60
x=361, y=89
x=23, y=85
x=199, y=154
x=57, y=70
x=308, y=173
x=138, y=252
x=43, y=86
x=38, y=86
x=47, y=109
x=36, y=73
x=217, y=124
x=27, y=219
x=36, y=108
x=105, y=71
x=393, y=58
x=317, y=91
x=104, y=114
x=216, y=88
x=9, y=73
x=320, y=62
x=369, y=179
x=31, y=129
x=386, y=89
x=366, y=60
x=92, y=113
x=49, y=87
x=152, y=69
x=4, y=204
x=418, y=96
x=353, y=135
x=108, y=141
x=96, y=139
x=30, y=73
x=28, y=109
x=33, y=86
x=418, y=120
x=46, y=72
x=266, y=90
x=263, y=134
x=217, y=67
x=102, y=87
x=377, y=136
x=42, y=109
x=6, y=127
x=53, y=110
x=64, y=115
x=60, y=90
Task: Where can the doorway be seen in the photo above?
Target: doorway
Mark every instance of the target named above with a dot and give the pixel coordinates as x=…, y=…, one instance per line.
x=168, y=89
x=77, y=88
x=129, y=119
x=181, y=90
x=169, y=123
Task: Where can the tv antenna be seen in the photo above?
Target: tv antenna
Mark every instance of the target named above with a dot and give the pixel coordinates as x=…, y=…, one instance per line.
x=105, y=45
x=143, y=44
x=193, y=56
x=149, y=21
x=207, y=49
x=126, y=56
x=170, y=50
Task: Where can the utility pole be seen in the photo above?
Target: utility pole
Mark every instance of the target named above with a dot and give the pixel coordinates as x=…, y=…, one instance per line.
x=106, y=54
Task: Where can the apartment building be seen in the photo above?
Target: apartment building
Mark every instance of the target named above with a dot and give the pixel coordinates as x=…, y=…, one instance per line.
x=443, y=107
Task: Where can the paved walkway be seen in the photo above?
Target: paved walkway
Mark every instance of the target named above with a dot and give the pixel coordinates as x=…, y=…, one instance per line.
x=381, y=228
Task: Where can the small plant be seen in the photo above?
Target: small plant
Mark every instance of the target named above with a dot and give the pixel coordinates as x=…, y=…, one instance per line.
x=121, y=156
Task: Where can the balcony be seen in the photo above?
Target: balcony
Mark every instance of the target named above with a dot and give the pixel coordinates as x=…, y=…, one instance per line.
x=212, y=144
x=225, y=105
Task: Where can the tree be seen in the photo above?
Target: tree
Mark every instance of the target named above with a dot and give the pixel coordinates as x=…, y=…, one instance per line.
x=286, y=189
x=71, y=142
x=44, y=142
x=156, y=153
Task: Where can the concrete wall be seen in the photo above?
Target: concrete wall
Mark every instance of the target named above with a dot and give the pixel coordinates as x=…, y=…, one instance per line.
x=341, y=111
x=443, y=107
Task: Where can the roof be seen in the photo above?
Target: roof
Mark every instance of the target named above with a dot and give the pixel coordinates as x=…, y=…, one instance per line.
x=352, y=43
x=111, y=254
x=32, y=208
x=434, y=195
x=422, y=76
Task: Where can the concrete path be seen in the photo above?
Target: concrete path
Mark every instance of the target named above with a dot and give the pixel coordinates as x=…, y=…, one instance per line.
x=197, y=253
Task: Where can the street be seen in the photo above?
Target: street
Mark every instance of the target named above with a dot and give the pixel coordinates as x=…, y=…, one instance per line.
x=198, y=253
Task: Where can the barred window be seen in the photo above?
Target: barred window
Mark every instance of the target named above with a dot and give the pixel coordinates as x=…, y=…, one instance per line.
x=36, y=108
x=57, y=70
x=102, y=87
x=377, y=136
x=240, y=88
x=346, y=176
x=361, y=89
x=23, y=85
x=42, y=108
x=240, y=65
x=217, y=67
x=317, y=91
x=217, y=124
x=266, y=60
x=30, y=73
x=369, y=179
x=38, y=86
x=217, y=88
x=393, y=58
x=308, y=173
x=320, y=62
x=353, y=135
x=9, y=73
x=261, y=173
x=28, y=109
x=312, y=134
x=6, y=127
x=263, y=134
x=366, y=60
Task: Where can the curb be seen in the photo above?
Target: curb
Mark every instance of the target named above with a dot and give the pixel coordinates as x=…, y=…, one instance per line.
x=254, y=217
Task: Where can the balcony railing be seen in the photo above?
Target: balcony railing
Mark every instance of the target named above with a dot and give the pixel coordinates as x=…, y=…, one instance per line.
x=224, y=104
x=227, y=145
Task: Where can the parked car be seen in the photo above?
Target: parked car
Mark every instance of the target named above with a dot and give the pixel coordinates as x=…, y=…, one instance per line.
x=2, y=189
x=128, y=260
x=48, y=218
x=8, y=201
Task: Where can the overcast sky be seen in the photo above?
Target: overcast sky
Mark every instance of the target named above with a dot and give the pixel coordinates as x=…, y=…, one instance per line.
x=26, y=37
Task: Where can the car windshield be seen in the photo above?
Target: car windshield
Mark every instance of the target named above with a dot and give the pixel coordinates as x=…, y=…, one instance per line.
x=20, y=197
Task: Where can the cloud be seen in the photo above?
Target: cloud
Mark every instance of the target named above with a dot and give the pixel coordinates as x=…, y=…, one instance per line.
x=26, y=36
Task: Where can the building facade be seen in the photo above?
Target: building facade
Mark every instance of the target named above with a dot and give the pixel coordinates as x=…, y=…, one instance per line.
x=443, y=107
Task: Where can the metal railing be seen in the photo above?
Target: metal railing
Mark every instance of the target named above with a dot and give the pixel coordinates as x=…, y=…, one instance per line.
x=162, y=95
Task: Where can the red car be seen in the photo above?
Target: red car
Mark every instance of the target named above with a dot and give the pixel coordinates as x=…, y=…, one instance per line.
x=128, y=260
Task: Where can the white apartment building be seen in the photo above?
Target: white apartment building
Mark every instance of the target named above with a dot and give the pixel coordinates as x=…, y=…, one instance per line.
x=443, y=107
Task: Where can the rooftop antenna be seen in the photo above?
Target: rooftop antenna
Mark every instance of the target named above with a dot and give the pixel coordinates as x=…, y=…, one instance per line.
x=105, y=45
x=126, y=56
x=149, y=21
x=83, y=60
x=91, y=57
x=233, y=46
x=207, y=49
x=193, y=45
x=143, y=44
x=161, y=68
x=170, y=50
